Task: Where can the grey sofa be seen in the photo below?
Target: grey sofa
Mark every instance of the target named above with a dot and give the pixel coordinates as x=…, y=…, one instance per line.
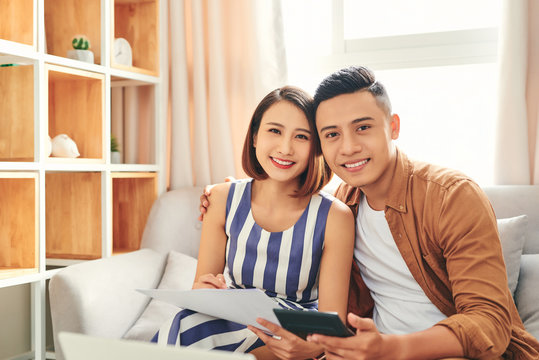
x=99, y=297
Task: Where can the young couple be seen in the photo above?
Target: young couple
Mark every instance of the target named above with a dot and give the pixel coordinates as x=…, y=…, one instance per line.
x=428, y=279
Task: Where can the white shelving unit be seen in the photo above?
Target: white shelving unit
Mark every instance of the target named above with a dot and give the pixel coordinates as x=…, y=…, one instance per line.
x=47, y=204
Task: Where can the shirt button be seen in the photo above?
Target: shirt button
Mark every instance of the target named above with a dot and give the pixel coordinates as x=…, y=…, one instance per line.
x=401, y=207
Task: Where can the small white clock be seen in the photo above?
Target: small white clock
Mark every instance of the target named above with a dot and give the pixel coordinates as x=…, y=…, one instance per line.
x=122, y=52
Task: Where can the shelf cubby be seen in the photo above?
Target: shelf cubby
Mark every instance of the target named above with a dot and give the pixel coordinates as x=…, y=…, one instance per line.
x=65, y=19
x=73, y=215
x=137, y=21
x=133, y=194
x=17, y=21
x=19, y=237
x=133, y=120
x=17, y=113
x=76, y=107
x=15, y=327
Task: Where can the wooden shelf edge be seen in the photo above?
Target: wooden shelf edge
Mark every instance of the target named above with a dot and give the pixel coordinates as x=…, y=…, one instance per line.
x=6, y=273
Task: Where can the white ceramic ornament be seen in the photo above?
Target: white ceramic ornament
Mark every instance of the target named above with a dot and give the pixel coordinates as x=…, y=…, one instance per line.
x=123, y=54
x=64, y=146
x=48, y=146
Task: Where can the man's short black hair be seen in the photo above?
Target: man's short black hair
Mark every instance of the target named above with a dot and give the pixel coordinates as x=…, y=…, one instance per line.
x=350, y=80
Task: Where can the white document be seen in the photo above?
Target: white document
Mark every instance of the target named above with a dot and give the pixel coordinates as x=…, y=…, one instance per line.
x=239, y=305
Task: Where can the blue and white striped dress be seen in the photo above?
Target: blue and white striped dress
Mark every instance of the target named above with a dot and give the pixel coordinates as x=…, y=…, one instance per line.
x=284, y=264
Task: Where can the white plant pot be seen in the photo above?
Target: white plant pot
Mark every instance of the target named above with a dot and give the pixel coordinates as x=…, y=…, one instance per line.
x=82, y=55
x=115, y=157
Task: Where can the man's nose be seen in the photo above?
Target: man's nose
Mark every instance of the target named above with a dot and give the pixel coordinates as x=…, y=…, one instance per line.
x=349, y=145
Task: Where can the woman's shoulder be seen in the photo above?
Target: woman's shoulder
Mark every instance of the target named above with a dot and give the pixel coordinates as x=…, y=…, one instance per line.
x=222, y=190
x=338, y=208
x=219, y=192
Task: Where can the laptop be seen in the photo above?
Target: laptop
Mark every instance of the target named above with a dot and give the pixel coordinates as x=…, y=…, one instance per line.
x=85, y=347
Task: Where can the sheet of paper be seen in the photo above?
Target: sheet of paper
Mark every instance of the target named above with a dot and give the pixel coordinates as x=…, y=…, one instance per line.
x=239, y=305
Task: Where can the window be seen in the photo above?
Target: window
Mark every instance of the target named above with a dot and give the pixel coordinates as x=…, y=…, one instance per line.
x=436, y=58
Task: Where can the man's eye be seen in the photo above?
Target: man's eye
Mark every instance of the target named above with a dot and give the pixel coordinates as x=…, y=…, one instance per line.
x=363, y=127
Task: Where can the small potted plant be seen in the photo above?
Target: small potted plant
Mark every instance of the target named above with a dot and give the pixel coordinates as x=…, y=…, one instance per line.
x=115, y=156
x=81, y=49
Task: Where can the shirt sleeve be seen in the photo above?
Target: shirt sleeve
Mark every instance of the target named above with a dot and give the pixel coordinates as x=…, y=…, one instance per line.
x=469, y=240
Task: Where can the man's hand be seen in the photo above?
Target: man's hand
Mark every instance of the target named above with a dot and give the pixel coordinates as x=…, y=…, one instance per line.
x=368, y=343
x=284, y=344
x=204, y=201
x=210, y=281
x=205, y=198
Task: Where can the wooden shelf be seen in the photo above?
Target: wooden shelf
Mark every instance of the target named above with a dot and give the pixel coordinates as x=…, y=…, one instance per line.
x=138, y=22
x=64, y=19
x=19, y=236
x=76, y=108
x=17, y=113
x=73, y=215
x=17, y=21
x=59, y=211
x=133, y=194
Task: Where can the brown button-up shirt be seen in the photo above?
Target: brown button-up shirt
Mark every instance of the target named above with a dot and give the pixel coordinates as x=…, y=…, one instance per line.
x=445, y=229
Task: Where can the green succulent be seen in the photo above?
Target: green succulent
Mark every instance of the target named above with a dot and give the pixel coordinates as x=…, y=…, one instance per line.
x=114, y=144
x=80, y=42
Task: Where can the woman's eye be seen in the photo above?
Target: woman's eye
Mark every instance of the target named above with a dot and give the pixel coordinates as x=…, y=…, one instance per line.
x=301, y=136
x=275, y=131
x=331, y=135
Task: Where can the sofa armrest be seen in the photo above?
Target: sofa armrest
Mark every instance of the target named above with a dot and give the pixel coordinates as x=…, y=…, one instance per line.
x=99, y=297
x=526, y=298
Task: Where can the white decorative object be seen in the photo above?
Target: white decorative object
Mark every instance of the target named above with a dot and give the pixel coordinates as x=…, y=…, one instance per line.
x=122, y=52
x=48, y=146
x=64, y=146
x=82, y=55
x=115, y=157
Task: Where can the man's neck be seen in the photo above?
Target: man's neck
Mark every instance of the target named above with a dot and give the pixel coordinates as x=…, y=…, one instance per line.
x=377, y=192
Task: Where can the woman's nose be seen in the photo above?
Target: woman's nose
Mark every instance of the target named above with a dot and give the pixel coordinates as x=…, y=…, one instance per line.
x=285, y=146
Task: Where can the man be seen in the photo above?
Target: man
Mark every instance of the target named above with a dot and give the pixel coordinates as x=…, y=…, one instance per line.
x=427, y=248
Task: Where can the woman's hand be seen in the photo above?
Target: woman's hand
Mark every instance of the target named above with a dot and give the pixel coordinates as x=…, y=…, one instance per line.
x=210, y=281
x=284, y=344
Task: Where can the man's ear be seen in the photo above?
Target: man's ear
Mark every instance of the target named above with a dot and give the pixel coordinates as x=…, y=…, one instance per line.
x=395, y=126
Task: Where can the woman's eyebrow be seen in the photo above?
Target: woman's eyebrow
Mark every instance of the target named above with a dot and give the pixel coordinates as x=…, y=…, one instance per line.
x=282, y=126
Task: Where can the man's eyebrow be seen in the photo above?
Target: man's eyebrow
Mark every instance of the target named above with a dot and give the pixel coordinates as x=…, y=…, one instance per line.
x=331, y=127
x=282, y=126
x=364, y=118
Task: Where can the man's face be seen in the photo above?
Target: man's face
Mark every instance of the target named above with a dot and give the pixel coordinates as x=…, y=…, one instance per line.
x=356, y=137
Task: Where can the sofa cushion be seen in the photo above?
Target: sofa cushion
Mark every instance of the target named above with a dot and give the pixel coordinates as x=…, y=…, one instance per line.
x=526, y=295
x=512, y=236
x=179, y=274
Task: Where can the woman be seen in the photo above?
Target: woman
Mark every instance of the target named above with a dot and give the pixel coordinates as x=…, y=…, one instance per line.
x=275, y=232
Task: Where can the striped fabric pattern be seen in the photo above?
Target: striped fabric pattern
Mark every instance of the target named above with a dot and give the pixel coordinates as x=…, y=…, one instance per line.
x=284, y=264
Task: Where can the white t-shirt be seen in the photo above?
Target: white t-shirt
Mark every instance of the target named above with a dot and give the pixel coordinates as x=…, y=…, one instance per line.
x=400, y=305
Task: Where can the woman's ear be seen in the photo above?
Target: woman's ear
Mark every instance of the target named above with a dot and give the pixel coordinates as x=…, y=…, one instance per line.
x=254, y=140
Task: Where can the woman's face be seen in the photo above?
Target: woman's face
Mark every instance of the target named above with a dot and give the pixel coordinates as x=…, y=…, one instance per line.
x=283, y=142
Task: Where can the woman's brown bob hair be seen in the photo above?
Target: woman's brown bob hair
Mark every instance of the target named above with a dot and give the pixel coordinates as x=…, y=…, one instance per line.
x=318, y=173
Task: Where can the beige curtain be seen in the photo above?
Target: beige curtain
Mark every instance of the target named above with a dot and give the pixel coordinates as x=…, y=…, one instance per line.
x=517, y=141
x=224, y=57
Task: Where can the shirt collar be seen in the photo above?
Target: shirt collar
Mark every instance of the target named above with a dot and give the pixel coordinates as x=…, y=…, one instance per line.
x=396, y=197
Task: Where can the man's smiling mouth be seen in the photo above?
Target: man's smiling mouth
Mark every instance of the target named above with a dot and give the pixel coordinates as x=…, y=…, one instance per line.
x=356, y=164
